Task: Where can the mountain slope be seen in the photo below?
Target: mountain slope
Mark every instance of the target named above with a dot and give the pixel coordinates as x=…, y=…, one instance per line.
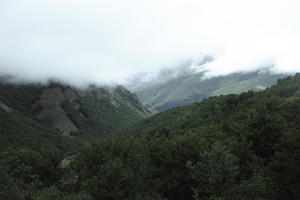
x=43, y=126
x=32, y=113
x=20, y=131
x=180, y=119
x=185, y=85
x=229, y=147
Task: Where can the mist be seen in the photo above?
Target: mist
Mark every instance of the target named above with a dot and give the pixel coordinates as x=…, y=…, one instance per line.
x=103, y=42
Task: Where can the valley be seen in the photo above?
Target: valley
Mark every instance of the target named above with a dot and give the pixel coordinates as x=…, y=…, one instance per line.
x=59, y=142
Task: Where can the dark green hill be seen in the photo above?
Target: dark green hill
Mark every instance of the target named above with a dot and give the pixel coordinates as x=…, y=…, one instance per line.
x=217, y=110
x=229, y=147
x=33, y=115
x=41, y=126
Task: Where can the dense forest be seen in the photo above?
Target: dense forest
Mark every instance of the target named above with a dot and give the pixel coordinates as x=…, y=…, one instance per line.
x=243, y=147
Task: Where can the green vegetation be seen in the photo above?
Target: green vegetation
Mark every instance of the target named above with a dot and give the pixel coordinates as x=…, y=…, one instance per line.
x=229, y=147
x=20, y=131
x=189, y=87
x=43, y=127
x=62, y=110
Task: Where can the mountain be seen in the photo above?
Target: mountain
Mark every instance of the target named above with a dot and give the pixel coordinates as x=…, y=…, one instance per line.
x=42, y=126
x=283, y=97
x=58, y=116
x=187, y=84
x=229, y=147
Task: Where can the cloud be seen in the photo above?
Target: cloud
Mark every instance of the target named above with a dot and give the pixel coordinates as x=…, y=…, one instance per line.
x=104, y=41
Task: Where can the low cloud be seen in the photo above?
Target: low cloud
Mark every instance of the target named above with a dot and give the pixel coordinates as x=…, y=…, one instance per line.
x=98, y=41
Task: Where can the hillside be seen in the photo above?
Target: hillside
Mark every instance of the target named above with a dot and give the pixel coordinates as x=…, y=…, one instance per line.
x=42, y=124
x=185, y=85
x=229, y=147
x=32, y=113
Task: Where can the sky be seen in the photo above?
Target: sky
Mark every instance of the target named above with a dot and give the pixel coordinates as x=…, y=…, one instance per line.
x=109, y=41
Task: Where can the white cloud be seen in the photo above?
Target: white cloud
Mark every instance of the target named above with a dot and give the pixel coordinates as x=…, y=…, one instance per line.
x=106, y=41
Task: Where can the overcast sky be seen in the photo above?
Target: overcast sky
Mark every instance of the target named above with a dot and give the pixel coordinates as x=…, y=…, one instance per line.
x=107, y=41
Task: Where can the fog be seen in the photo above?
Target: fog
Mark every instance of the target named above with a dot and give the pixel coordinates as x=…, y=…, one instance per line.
x=97, y=41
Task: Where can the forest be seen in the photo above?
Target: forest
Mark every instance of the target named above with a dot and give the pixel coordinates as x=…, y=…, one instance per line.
x=229, y=147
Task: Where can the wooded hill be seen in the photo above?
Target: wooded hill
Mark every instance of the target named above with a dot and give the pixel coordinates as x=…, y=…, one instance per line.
x=229, y=147
x=60, y=117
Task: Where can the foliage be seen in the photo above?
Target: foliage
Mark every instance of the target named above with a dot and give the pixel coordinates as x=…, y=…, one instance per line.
x=225, y=148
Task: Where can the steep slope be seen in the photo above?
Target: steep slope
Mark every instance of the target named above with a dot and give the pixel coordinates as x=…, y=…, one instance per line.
x=32, y=113
x=43, y=126
x=20, y=131
x=215, y=110
x=185, y=85
x=229, y=147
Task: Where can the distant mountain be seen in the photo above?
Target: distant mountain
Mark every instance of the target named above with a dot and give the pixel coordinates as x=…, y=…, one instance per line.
x=186, y=85
x=58, y=116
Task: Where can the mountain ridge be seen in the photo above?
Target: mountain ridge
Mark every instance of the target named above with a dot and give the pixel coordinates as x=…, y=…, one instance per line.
x=59, y=113
x=186, y=85
x=228, y=147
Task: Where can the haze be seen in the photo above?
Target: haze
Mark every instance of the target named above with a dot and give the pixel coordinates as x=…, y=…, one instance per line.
x=97, y=41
